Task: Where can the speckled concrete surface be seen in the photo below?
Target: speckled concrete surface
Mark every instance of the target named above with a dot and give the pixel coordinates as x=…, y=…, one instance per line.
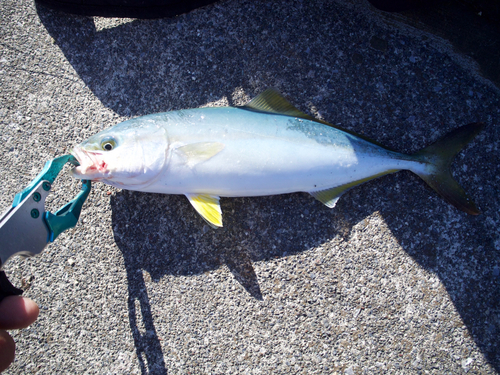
x=391, y=281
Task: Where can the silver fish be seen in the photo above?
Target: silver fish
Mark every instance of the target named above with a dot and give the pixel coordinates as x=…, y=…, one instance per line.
x=263, y=148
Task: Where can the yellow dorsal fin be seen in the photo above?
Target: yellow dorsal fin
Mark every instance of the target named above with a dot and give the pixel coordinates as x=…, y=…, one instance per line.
x=208, y=207
x=271, y=101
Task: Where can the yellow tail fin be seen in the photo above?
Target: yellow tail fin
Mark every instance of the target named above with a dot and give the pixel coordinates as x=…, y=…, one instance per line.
x=439, y=156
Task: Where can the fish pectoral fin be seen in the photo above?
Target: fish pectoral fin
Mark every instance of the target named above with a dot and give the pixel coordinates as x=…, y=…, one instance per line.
x=208, y=207
x=199, y=152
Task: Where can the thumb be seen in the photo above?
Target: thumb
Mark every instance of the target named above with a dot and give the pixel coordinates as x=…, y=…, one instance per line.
x=17, y=312
x=7, y=350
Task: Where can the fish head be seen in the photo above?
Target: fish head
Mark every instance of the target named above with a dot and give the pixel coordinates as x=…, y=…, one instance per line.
x=128, y=155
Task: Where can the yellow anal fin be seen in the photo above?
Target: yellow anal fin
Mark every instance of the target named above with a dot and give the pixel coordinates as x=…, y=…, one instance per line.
x=208, y=207
x=199, y=152
x=329, y=197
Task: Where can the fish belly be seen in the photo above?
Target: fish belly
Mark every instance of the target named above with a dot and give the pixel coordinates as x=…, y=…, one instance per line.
x=265, y=154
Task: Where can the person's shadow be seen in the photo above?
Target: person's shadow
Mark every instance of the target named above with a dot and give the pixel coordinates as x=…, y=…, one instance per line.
x=143, y=67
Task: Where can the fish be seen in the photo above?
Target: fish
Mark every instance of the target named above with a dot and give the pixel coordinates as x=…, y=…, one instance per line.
x=265, y=147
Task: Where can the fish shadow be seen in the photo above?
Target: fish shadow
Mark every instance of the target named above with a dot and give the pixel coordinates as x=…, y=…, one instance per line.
x=170, y=238
x=163, y=235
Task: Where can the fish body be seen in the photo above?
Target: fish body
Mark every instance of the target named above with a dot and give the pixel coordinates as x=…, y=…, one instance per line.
x=232, y=152
x=264, y=148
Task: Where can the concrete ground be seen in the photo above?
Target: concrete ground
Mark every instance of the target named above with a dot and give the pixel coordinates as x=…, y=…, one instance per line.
x=391, y=281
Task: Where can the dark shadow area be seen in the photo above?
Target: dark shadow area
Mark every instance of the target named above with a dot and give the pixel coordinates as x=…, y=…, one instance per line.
x=115, y=8
x=170, y=238
x=147, y=66
x=142, y=67
x=472, y=26
x=147, y=343
x=162, y=234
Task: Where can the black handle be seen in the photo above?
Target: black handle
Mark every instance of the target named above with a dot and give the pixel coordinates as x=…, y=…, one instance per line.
x=6, y=288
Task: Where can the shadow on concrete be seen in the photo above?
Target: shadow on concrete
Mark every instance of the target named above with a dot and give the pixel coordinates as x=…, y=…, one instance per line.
x=472, y=27
x=169, y=238
x=134, y=68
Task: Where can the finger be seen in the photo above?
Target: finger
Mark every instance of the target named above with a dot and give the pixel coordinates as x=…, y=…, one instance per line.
x=17, y=312
x=7, y=350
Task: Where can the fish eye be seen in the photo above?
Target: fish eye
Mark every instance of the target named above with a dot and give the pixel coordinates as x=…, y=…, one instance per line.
x=108, y=143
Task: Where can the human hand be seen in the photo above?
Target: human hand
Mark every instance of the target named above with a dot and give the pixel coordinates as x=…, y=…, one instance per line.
x=15, y=312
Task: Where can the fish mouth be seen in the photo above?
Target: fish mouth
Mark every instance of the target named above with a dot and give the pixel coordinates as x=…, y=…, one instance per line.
x=92, y=166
